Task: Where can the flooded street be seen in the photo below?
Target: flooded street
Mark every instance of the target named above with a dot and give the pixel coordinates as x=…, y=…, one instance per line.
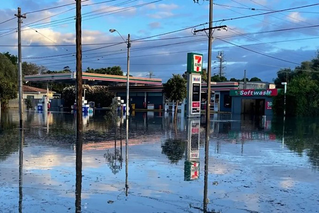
x=254, y=165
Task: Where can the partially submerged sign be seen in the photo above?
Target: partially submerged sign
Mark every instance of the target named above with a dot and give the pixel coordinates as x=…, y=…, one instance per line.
x=254, y=92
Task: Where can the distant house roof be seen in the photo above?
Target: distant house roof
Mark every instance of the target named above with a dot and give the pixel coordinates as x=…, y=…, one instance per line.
x=29, y=89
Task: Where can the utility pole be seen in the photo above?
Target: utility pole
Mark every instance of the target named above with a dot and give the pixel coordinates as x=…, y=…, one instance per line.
x=245, y=80
x=150, y=74
x=209, y=75
x=20, y=66
x=127, y=111
x=221, y=60
x=79, y=118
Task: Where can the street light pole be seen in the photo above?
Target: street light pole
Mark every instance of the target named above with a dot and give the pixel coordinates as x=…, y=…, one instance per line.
x=128, y=76
x=128, y=42
x=285, y=91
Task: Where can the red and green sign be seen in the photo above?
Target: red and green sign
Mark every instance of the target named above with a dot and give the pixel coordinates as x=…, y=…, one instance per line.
x=194, y=63
x=254, y=92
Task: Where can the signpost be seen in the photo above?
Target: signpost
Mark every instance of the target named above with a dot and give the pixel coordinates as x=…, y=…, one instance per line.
x=194, y=70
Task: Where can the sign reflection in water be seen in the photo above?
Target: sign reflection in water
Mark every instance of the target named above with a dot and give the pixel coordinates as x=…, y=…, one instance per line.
x=192, y=161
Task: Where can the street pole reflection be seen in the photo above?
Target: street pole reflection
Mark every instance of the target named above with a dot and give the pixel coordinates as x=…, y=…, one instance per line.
x=78, y=169
x=126, y=158
x=21, y=142
x=283, y=131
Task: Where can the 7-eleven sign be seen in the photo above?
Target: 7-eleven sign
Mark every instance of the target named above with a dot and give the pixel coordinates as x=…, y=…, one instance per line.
x=194, y=63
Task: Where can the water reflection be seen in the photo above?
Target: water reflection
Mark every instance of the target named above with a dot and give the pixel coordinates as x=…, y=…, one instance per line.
x=78, y=167
x=21, y=143
x=249, y=168
x=115, y=158
x=192, y=161
x=126, y=156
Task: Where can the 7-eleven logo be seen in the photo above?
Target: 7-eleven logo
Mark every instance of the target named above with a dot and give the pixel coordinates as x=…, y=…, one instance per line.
x=198, y=63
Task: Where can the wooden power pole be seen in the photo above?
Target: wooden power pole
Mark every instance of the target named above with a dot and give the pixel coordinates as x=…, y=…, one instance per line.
x=79, y=118
x=19, y=16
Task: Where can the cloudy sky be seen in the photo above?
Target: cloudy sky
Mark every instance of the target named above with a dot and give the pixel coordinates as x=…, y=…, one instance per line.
x=262, y=36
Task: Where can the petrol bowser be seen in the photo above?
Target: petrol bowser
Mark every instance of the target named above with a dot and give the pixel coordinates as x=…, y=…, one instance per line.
x=194, y=70
x=191, y=165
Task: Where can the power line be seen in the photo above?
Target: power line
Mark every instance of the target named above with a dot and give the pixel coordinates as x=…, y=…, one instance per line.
x=263, y=54
x=266, y=13
x=7, y=20
x=55, y=7
x=277, y=30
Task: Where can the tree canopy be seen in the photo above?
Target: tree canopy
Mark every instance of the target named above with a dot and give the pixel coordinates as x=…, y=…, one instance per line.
x=217, y=78
x=8, y=79
x=115, y=70
x=32, y=69
x=255, y=79
x=302, y=89
x=175, y=90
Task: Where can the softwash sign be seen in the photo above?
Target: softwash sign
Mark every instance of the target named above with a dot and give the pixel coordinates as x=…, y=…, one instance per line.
x=254, y=92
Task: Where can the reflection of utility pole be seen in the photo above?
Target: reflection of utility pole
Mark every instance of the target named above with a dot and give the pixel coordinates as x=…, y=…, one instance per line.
x=21, y=142
x=126, y=160
x=20, y=65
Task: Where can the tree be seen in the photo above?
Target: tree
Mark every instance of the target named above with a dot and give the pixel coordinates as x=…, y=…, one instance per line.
x=283, y=75
x=174, y=149
x=255, y=79
x=8, y=80
x=175, y=90
x=99, y=94
x=302, y=97
x=32, y=69
x=234, y=80
x=217, y=78
x=115, y=70
x=12, y=58
x=203, y=75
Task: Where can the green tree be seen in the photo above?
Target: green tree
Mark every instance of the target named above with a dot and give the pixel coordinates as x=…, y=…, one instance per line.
x=255, y=79
x=175, y=90
x=203, y=75
x=283, y=75
x=12, y=58
x=302, y=97
x=174, y=149
x=99, y=94
x=32, y=69
x=115, y=70
x=8, y=80
x=234, y=80
x=217, y=78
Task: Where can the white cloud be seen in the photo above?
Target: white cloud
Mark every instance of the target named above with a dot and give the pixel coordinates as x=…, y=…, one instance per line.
x=154, y=25
x=167, y=6
x=295, y=17
x=161, y=15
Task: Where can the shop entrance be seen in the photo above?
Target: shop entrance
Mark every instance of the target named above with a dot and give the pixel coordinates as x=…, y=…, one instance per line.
x=253, y=106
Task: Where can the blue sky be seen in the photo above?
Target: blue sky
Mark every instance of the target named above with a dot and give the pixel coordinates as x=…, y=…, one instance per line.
x=263, y=36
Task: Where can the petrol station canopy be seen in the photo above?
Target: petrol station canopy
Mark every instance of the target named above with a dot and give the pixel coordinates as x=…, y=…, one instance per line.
x=92, y=78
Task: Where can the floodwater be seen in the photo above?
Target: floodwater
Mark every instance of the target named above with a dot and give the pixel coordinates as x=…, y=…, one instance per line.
x=254, y=165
